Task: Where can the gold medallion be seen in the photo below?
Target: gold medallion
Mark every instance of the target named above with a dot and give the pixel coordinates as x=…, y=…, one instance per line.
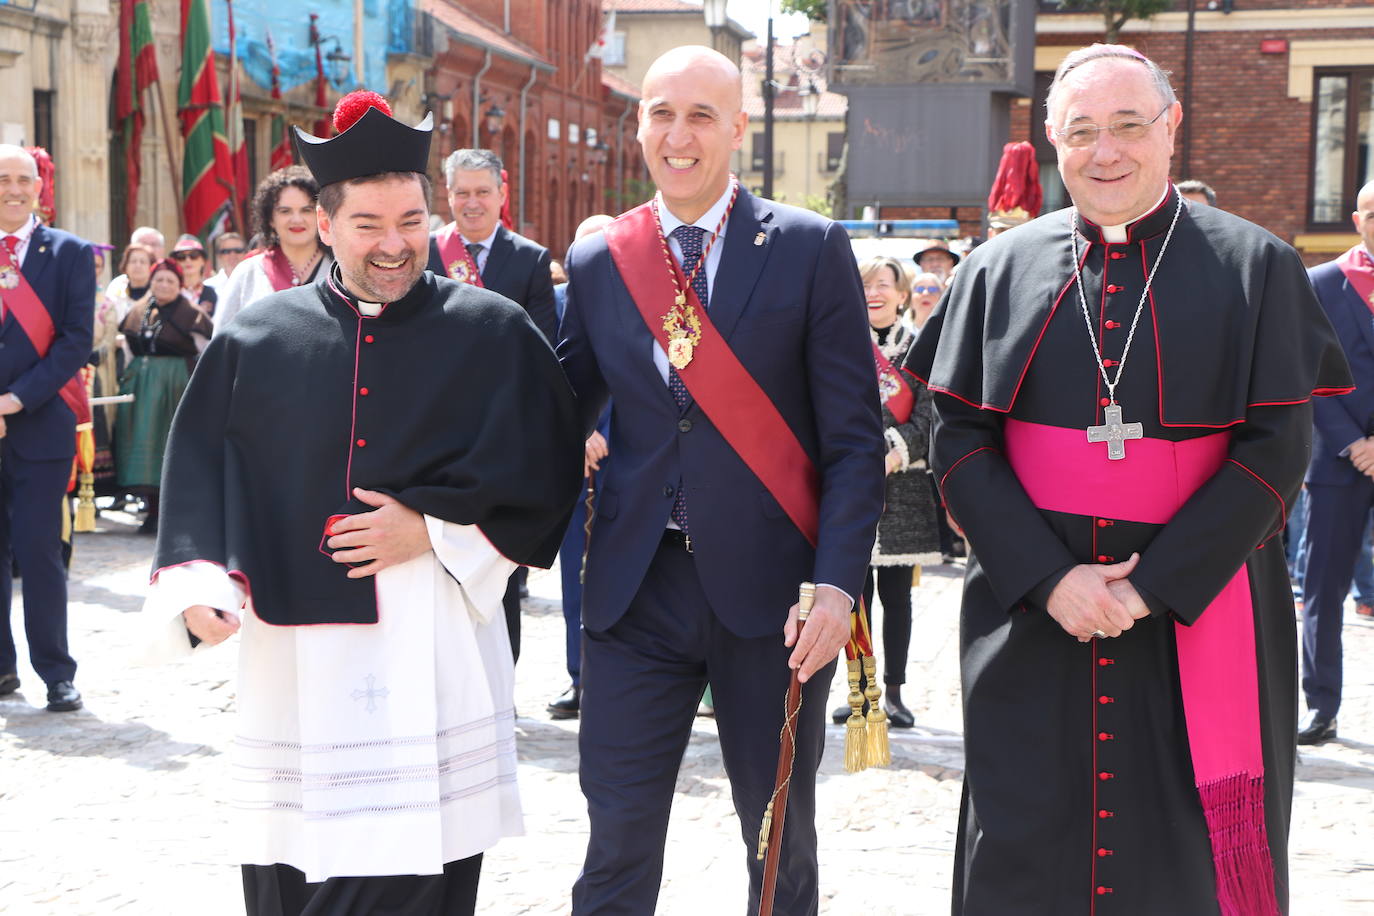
x=680, y=352
x=458, y=270
x=9, y=278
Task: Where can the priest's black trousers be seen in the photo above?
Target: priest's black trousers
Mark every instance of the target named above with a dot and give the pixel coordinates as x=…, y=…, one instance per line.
x=280, y=890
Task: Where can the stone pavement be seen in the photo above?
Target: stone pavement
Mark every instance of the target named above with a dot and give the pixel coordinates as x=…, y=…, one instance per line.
x=118, y=809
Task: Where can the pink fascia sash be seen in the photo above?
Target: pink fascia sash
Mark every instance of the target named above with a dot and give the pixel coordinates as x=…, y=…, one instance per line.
x=1062, y=472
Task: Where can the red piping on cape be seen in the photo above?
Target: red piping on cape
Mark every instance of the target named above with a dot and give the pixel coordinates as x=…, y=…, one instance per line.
x=952, y=467
x=1283, y=507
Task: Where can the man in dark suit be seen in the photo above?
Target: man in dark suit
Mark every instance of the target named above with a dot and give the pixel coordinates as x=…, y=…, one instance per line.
x=476, y=248
x=508, y=263
x=1340, y=481
x=47, y=284
x=695, y=556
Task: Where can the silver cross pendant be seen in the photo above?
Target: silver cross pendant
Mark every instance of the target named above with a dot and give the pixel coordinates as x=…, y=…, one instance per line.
x=1114, y=432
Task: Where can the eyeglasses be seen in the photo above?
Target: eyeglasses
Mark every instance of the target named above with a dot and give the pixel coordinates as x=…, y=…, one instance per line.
x=224, y=251
x=186, y=255
x=925, y=289
x=1127, y=130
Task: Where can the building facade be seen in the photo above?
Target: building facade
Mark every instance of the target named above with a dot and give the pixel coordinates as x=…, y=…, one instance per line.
x=516, y=76
x=645, y=29
x=808, y=122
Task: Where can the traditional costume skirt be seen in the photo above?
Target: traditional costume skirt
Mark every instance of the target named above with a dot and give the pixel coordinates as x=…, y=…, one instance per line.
x=157, y=383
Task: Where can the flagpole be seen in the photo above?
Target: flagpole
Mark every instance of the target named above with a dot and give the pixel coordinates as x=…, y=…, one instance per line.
x=234, y=192
x=174, y=167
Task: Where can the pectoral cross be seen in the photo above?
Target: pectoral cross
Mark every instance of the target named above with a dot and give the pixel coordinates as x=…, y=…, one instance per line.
x=1115, y=433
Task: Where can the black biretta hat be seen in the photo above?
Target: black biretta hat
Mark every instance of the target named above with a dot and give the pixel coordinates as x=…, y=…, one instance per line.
x=367, y=144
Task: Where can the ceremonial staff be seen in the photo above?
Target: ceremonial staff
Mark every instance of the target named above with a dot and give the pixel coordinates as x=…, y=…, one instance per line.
x=770, y=834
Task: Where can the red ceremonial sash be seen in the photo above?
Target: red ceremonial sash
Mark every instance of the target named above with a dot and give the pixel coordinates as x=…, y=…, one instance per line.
x=1062, y=472
x=23, y=303
x=716, y=379
x=895, y=392
x=458, y=262
x=1358, y=268
x=278, y=269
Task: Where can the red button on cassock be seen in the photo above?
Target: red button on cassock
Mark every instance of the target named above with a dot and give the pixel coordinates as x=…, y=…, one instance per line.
x=362, y=443
x=362, y=391
x=368, y=339
x=1112, y=325
x=1118, y=255
x=1105, y=736
x=1103, y=890
x=1104, y=402
x=1109, y=363
x=1104, y=662
x=1102, y=523
x=1103, y=853
x=1102, y=700
x=1103, y=777
x=1104, y=814
x=1113, y=288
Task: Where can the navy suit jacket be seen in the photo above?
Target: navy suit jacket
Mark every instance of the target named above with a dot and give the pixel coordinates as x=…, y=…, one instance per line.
x=792, y=310
x=1339, y=421
x=518, y=269
x=60, y=268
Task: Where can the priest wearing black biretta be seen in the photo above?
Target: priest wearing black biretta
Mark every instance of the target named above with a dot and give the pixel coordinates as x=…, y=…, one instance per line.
x=1123, y=398
x=355, y=470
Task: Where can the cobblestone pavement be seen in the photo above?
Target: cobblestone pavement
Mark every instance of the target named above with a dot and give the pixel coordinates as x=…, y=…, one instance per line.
x=118, y=809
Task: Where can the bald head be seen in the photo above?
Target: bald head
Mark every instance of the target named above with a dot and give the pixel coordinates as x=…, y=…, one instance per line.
x=691, y=120
x=1364, y=200
x=697, y=63
x=8, y=151
x=1364, y=216
x=19, y=187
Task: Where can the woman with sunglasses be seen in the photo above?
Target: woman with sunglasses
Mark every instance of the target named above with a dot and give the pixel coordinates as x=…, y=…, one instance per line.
x=906, y=531
x=165, y=333
x=284, y=218
x=926, y=290
x=189, y=254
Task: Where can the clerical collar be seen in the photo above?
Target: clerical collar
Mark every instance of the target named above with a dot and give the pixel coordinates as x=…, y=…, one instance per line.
x=1155, y=221
x=386, y=312
x=708, y=220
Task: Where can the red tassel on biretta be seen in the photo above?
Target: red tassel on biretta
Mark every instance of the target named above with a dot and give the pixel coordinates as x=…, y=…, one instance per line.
x=354, y=105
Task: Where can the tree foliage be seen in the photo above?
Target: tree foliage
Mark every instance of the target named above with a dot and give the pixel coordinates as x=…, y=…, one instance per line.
x=1115, y=13
x=815, y=10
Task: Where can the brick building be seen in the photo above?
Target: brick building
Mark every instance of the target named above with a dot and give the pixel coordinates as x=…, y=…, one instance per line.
x=513, y=76
x=1278, y=108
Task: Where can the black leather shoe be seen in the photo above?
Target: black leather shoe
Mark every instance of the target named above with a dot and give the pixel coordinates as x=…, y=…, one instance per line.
x=841, y=714
x=568, y=705
x=1316, y=728
x=897, y=714
x=9, y=683
x=63, y=697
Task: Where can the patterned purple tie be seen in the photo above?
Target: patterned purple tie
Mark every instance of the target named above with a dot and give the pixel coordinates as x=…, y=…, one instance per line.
x=689, y=239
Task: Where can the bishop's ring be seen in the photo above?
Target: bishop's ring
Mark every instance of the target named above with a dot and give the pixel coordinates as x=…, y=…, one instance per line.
x=1098, y=634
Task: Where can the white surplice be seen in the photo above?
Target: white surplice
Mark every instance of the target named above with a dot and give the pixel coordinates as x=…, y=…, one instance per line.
x=380, y=749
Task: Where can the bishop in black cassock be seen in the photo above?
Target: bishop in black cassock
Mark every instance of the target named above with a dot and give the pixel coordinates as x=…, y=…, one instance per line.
x=374, y=759
x=1130, y=746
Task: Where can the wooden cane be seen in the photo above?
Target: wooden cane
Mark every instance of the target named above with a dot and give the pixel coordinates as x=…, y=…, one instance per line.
x=774, y=816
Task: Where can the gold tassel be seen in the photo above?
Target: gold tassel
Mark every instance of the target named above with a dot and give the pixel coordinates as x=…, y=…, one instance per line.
x=764, y=831
x=855, y=742
x=85, y=503
x=879, y=750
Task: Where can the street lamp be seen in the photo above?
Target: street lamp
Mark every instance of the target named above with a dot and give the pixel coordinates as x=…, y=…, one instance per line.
x=714, y=11
x=494, y=118
x=811, y=98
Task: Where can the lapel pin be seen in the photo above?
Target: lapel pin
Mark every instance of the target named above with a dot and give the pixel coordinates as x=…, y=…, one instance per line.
x=43, y=248
x=758, y=239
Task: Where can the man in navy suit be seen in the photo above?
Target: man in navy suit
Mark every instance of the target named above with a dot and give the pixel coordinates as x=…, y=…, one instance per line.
x=505, y=263
x=38, y=427
x=1340, y=481
x=695, y=557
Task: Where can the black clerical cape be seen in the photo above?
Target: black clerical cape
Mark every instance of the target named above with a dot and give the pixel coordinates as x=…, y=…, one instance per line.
x=1079, y=792
x=450, y=400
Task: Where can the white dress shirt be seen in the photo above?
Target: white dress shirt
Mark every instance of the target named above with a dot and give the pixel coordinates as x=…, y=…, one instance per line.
x=486, y=244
